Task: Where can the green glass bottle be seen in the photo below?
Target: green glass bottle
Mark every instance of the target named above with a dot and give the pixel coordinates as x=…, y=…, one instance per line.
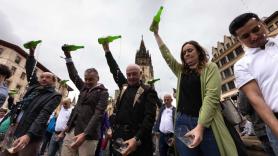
x=63, y=82
x=108, y=39
x=71, y=47
x=13, y=92
x=156, y=19
x=151, y=82
x=31, y=44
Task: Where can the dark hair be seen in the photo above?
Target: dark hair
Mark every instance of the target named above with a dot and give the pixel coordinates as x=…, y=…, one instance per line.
x=90, y=70
x=5, y=71
x=203, y=56
x=240, y=21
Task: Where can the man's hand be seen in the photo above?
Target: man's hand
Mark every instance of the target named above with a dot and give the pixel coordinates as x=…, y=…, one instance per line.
x=66, y=53
x=20, y=143
x=109, y=133
x=196, y=134
x=106, y=47
x=171, y=141
x=60, y=136
x=78, y=140
x=131, y=146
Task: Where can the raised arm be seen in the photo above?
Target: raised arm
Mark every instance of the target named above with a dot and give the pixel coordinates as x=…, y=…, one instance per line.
x=30, y=68
x=73, y=74
x=168, y=57
x=118, y=76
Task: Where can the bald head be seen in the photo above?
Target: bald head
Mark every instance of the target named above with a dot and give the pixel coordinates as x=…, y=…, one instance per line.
x=133, y=73
x=47, y=79
x=168, y=100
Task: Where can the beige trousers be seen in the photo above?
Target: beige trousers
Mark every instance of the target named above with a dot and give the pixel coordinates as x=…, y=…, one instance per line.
x=87, y=148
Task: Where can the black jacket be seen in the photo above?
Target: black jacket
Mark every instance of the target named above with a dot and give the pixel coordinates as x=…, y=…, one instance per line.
x=35, y=116
x=144, y=105
x=88, y=113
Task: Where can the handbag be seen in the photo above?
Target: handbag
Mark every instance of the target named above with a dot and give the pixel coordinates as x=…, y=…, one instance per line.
x=230, y=112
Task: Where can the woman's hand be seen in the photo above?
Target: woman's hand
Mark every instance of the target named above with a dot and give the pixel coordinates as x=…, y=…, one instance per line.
x=196, y=134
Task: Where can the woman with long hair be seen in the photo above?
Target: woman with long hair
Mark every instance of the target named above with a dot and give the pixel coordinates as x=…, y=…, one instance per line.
x=198, y=96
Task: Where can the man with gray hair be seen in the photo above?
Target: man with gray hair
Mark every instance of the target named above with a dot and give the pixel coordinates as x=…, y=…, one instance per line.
x=83, y=126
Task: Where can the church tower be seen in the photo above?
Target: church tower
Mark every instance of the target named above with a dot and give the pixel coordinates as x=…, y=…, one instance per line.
x=144, y=60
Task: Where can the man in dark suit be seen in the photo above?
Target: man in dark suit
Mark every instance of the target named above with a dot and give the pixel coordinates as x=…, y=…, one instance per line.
x=165, y=125
x=29, y=116
x=135, y=110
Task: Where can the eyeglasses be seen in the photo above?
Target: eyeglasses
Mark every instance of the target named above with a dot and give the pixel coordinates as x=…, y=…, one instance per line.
x=255, y=30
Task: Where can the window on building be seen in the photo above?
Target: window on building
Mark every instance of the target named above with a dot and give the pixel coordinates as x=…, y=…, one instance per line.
x=231, y=85
x=271, y=27
x=222, y=75
x=239, y=50
x=227, y=73
x=8, y=83
x=1, y=50
x=218, y=64
x=231, y=56
x=18, y=87
x=221, y=50
x=13, y=70
x=17, y=59
x=224, y=88
x=228, y=45
x=23, y=75
x=223, y=61
x=215, y=55
x=276, y=23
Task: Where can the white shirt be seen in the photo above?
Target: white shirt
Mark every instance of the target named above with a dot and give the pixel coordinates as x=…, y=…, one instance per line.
x=261, y=65
x=166, y=122
x=62, y=119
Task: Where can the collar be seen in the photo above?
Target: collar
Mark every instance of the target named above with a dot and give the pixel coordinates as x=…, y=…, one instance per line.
x=169, y=107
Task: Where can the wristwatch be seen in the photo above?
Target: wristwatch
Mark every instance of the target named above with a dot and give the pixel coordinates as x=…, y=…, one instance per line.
x=138, y=141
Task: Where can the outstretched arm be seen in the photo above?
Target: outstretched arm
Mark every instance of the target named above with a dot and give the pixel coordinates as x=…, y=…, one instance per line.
x=73, y=74
x=118, y=76
x=174, y=65
x=30, y=68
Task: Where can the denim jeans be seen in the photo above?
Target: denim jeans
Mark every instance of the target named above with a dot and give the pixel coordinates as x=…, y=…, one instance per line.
x=208, y=146
x=272, y=139
x=54, y=145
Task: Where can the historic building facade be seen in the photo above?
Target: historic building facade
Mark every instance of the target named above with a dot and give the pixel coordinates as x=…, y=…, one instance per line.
x=15, y=57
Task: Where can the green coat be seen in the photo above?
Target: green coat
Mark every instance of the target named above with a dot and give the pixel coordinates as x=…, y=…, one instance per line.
x=210, y=112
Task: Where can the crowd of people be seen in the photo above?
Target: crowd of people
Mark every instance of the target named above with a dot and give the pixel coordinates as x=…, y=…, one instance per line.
x=45, y=123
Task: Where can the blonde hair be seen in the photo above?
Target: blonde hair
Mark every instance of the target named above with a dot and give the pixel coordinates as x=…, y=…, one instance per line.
x=58, y=109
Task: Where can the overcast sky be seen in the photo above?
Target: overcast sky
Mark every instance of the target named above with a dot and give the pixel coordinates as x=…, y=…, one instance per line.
x=82, y=21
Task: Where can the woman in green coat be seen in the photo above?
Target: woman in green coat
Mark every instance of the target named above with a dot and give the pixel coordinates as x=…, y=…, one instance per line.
x=198, y=109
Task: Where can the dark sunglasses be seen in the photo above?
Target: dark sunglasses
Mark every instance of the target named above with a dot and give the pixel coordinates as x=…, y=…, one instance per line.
x=255, y=30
